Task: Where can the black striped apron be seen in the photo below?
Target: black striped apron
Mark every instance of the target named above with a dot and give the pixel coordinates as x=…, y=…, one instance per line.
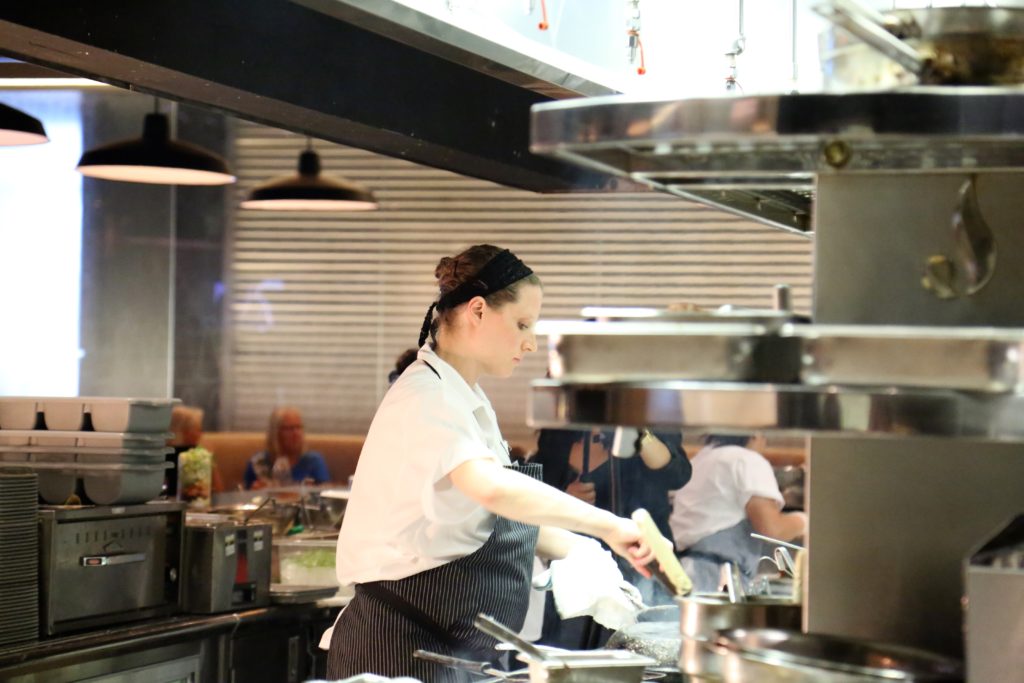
x=434, y=609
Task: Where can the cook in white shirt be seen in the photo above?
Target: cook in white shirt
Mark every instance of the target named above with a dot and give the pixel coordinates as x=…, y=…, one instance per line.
x=731, y=493
x=440, y=526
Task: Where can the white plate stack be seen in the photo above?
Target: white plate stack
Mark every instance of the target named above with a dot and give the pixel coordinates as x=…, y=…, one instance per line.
x=19, y=556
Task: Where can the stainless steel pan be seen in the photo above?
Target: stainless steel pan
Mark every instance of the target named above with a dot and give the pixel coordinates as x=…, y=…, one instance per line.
x=928, y=46
x=770, y=655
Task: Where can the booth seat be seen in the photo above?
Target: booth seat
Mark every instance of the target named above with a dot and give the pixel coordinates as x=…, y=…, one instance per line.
x=232, y=451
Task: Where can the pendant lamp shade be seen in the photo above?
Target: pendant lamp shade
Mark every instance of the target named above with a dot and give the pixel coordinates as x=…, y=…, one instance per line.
x=310, y=191
x=155, y=158
x=18, y=128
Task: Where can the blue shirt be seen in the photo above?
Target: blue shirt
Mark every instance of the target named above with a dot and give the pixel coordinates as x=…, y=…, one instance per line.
x=311, y=465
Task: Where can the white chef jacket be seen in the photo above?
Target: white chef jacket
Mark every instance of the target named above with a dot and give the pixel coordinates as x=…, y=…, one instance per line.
x=404, y=515
x=724, y=480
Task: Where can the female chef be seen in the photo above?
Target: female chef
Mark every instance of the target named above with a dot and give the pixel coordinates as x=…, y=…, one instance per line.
x=440, y=525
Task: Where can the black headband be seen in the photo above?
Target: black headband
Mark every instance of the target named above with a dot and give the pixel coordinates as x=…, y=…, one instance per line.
x=497, y=274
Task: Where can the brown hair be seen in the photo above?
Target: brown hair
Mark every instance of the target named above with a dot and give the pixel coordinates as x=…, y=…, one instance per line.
x=186, y=424
x=452, y=271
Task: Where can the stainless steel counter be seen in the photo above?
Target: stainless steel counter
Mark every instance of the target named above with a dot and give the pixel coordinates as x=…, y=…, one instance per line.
x=222, y=647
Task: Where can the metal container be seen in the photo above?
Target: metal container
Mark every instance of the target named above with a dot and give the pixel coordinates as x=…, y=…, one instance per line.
x=637, y=351
x=612, y=666
x=972, y=359
x=280, y=516
x=770, y=655
x=227, y=565
x=702, y=615
x=931, y=45
x=107, y=565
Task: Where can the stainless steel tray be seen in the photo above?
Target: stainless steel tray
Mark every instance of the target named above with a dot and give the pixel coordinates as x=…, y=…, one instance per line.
x=969, y=359
x=597, y=351
x=666, y=349
x=795, y=409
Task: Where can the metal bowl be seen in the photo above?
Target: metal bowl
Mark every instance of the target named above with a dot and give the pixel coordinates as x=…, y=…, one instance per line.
x=958, y=46
x=325, y=509
x=774, y=655
x=280, y=516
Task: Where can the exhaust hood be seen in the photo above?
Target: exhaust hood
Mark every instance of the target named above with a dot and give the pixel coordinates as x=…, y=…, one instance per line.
x=758, y=156
x=378, y=76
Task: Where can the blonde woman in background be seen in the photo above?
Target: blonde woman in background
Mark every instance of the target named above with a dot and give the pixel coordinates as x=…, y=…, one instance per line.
x=285, y=460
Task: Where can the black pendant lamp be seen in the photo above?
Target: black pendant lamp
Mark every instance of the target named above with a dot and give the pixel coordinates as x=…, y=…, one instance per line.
x=156, y=158
x=310, y=191
x=18, y=128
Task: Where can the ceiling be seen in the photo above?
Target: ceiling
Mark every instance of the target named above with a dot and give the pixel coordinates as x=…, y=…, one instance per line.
x=336, y=73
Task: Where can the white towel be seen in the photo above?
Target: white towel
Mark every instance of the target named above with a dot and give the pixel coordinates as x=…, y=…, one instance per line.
x=588, y=583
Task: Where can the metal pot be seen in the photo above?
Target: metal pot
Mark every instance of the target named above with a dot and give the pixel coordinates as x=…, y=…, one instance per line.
x=324, y=509
x=702, y=615
x=928, y=46
x=771, y=655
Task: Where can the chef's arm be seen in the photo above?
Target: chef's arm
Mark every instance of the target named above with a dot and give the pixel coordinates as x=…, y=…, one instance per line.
x=518, y=497
x=554, y=543
x=768, y=520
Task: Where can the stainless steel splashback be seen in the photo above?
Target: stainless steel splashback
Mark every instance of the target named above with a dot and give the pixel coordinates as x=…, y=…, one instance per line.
x=892, y=519
x=876, y=232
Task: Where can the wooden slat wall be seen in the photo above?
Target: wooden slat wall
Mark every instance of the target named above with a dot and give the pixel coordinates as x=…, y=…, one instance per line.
x=319, y=305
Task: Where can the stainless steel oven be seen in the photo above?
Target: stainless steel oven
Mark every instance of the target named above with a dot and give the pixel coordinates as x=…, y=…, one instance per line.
x=106, y=565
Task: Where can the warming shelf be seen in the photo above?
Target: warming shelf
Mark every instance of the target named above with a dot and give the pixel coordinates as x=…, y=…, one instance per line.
x=767, y=374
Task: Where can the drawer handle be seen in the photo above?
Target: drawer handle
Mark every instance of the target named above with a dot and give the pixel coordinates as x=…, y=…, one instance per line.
x=105, y=560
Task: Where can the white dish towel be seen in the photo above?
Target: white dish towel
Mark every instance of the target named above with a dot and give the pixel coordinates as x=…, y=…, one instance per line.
x=588, y=583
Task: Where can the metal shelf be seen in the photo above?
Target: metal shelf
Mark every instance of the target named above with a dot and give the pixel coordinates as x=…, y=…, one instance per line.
x=879, y=411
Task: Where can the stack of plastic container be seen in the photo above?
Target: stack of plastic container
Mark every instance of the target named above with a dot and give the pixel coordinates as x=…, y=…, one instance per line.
x=109, y=450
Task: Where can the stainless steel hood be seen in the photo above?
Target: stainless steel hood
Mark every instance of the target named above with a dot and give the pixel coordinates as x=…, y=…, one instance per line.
x=372, y=75
x=758, y=156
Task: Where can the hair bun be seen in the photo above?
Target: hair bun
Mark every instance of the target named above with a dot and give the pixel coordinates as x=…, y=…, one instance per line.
x=445, y=268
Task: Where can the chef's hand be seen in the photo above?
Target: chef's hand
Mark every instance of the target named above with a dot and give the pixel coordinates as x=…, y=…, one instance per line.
x=584, y=490
x=624, y=539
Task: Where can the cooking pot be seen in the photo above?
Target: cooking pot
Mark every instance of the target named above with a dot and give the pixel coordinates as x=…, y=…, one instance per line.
x=929, y=46
x=702, y=615
x=771, y=655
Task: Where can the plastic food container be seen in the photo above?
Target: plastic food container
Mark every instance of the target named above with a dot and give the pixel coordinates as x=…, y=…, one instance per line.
x=307, y=561
x=122, y=439
x=130, y=414
x=122, y=484
x=65, y=414
x=17, y=412
x=57, y=484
